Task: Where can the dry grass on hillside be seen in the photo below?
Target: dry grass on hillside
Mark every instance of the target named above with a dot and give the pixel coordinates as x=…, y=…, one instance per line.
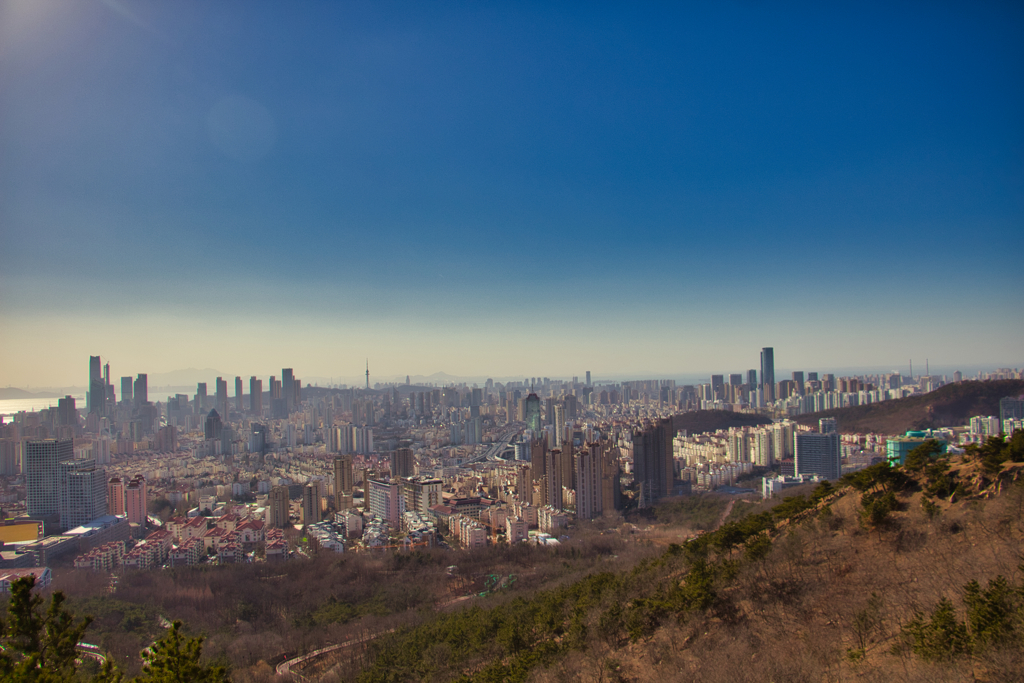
x=829, y=588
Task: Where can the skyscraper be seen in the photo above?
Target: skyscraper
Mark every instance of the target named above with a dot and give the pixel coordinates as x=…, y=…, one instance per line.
x=768, y=372
x=589, y=468
x=97, y=396
x=222, y=397
x=42, y=474
x=288, y=388
x=126, y=390
x=798, y=380
x=238, y=395
x=532, y=413
x=588, y=378
x=82, y=493
x=141, y=390
x=256, y=395
x=200, y=401
x=652, y=462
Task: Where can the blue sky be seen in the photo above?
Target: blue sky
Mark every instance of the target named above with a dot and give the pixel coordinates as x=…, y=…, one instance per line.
x=499, y=188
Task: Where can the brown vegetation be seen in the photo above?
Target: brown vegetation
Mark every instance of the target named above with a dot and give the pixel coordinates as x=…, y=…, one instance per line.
x=950, y=406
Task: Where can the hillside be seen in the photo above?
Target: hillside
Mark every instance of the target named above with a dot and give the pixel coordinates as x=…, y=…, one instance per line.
x=703, y=421
x=883, y=580
x=950, y=406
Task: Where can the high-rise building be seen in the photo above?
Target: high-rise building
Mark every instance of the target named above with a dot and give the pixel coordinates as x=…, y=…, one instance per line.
x=652, y=462
x=115, y=497
x=718, y=387
x=385, y=500
x=589, y=468
x=222, y=397
x=136, y=499
x=421, y=493
x=819, y=452
x=310, y=504
x=255, y=395
x=278, y=507
x=97, y=396
x=67, y=414
x=42, y=474
x=768, y=372
x=82, y=493
x=200, y=401
x=288, y=388
x=141, y=390
x=402, y=463
x=213, y=427
x=752, y=378
x=126, y=390
x=343, y=476
x=588, y=378
x=532, y=414
x=238, y=395
x=552, y=488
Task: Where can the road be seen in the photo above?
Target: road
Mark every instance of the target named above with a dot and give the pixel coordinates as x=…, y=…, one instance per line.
x=285, y=667
x=495, y=450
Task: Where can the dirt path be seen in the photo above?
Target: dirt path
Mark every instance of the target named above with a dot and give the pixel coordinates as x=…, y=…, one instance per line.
x=725, y=513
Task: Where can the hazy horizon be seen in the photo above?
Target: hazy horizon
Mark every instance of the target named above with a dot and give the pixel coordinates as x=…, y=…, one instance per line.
x=497, y=190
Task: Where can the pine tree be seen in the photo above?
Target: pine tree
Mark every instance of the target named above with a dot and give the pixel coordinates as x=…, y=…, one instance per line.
x=38, y=644
x=175, y=659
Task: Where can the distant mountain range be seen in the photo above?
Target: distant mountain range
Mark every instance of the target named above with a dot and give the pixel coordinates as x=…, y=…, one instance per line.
x=10, y=393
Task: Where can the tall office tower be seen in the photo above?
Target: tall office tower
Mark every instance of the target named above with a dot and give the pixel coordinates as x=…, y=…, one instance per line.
x=553, y=478
x=310, y=504
x=126, y=390
x=213, y=427
x=798, y=379
x=115, y=497
x=277, y=507
x=532, y=413
x=572, y=407
x=736, y=379
x=222, y=398
x=768, y=372
x=818, y=453
x=106, y=383
x=402, y=463
x=752, y=378
x=67, y=414
x=238, y=395
x=97, y=392
x=135, y=500
x=41, y=468
x=343, y=482
x=275, y=388
x=297, y=399
x=718, y=387
x=813, y=377
x=200, y=405
x=82, y=492
x=288, y=388
x=255, y=395
x=652, y=462
x=141, y=390
x=588, y=378
x=589, y=468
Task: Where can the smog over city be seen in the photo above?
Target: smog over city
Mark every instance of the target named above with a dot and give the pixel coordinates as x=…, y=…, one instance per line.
x=537, y=342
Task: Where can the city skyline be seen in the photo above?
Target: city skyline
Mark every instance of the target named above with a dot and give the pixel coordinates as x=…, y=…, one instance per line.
x=508, y=191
